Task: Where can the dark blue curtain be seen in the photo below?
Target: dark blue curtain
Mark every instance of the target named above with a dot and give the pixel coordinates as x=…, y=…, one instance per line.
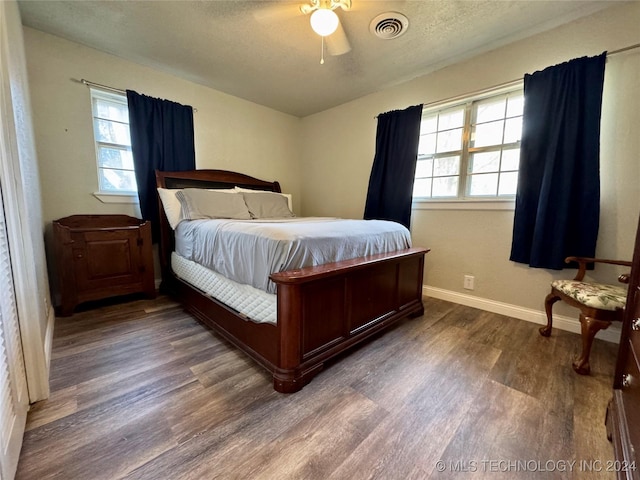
x=558, y=197
x=394, y=166
x=161, y=139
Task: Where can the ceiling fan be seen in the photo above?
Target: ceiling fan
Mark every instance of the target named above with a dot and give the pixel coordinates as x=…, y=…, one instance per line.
x=326, y=23
x=323, y=20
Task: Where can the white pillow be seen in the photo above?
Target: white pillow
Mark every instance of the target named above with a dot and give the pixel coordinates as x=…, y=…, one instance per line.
x=172, y=206
x=286, y=195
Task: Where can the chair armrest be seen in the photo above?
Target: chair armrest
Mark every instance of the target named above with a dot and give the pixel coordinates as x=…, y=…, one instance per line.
x=582, y=265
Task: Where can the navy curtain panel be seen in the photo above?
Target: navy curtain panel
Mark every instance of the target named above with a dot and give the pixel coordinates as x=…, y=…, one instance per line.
x=558, y=197
x=394, y=166
x=161, y=139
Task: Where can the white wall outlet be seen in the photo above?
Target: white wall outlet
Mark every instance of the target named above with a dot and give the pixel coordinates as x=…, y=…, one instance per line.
x=469, y=282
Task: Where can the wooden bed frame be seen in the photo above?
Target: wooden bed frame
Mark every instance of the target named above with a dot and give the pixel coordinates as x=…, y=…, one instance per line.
x=321, y=310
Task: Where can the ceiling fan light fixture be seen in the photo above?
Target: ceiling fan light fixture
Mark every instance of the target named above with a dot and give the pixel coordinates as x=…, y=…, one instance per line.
x=324, y=21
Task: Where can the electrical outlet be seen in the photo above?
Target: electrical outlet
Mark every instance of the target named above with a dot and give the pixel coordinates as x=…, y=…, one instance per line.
x=469, y=281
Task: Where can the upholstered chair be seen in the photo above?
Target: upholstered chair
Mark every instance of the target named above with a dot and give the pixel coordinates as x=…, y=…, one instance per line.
x=599, y=304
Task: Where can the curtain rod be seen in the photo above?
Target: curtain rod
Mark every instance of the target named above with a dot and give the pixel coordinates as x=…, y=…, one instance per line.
x=103, y=87
x=507, y=84
x=623, y=49
x=106, y=87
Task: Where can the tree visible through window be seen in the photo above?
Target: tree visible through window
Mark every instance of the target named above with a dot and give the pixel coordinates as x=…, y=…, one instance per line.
x=113, y=142
x=470, y=150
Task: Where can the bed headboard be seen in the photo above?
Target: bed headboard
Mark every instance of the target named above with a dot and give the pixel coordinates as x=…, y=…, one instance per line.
x=212, y=179
x=198, y=179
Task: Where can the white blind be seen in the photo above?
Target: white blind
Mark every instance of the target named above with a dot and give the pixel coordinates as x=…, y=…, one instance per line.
x=7, y=409
x=13, y=386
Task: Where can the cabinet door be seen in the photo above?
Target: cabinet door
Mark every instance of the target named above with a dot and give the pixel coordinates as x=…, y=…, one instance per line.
x=634, y=327
x=106, y=259
x=631, y=384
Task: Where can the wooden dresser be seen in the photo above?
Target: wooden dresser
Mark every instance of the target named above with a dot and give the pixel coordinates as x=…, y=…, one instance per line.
x=99, y=256
x=623, y=414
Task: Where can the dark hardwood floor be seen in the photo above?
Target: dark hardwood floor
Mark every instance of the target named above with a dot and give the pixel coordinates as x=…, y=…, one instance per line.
x=142, y=391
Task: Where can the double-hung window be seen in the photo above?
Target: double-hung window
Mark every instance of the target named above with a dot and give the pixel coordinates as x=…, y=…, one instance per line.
x=470, y=150
x=113, y=143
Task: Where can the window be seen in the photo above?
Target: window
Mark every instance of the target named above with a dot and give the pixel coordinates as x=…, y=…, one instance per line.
x=113, y=143
x=471, y=150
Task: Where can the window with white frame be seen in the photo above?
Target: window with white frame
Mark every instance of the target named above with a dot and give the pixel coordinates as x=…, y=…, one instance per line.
x=470, y=150
x=113, y=143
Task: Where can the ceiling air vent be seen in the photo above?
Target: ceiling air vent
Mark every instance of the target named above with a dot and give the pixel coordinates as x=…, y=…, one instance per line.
x=389, y=25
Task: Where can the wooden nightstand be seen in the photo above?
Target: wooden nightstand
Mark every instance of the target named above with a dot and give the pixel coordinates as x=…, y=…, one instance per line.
x=101, y=256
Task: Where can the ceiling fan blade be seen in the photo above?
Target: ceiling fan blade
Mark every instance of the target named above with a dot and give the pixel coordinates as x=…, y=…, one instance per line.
x=337, y=42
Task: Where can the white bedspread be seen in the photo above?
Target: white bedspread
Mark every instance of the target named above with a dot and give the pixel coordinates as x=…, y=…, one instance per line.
x=248, y=251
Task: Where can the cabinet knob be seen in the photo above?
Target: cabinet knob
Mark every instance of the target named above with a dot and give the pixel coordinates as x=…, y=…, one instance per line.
x=635, y=324
x=626, y=380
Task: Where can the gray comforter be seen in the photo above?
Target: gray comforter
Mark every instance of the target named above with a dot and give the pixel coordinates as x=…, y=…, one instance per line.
x=248, y=251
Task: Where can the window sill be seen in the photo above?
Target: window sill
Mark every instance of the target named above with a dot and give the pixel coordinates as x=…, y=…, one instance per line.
x=478, y=204
x=108, y=197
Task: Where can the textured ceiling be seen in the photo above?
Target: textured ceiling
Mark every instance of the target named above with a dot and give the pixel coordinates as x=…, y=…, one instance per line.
x=266, y=52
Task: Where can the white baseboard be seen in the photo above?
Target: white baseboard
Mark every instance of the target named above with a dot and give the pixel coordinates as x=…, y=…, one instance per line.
x=612, y=334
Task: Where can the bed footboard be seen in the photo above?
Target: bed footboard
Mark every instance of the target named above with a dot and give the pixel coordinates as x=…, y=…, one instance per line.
x=326, y=309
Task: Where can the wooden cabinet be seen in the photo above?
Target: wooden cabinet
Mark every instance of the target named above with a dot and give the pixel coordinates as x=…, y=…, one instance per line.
x=99, y=256
x=623, y=414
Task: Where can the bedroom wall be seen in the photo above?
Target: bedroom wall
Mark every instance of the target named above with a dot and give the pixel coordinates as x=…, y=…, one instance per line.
x=230, y=133
x=336, y=162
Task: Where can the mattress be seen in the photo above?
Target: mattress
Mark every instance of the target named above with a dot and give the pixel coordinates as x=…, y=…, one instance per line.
x=254, y=304
x=249, y=251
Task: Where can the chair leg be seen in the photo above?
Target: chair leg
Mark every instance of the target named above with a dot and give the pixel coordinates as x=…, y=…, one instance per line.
x=548, y=306
x=589, y=326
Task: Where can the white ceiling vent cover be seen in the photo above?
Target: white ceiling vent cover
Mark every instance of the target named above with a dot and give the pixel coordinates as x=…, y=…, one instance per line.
x=389, y=25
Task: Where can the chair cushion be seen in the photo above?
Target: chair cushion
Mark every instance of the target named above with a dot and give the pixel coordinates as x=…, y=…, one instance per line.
x=596, y=295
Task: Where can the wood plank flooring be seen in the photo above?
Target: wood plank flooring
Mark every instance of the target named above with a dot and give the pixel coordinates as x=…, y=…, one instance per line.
x=142, y=391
